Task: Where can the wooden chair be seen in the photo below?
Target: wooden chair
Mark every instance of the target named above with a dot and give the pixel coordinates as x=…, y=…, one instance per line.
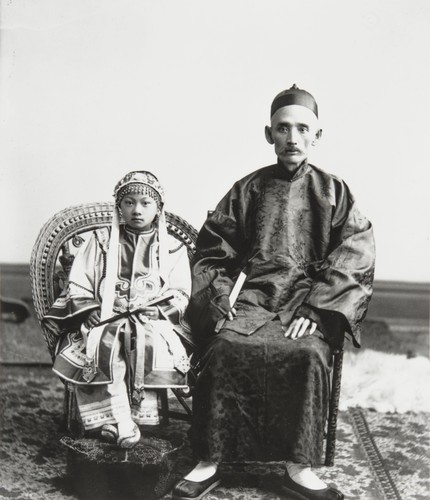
x=50, y=264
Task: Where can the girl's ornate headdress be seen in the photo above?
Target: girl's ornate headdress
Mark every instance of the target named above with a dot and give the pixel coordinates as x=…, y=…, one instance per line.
x=140, y=182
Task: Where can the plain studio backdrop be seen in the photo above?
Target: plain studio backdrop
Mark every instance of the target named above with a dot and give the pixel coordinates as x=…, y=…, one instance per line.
x=91, y=89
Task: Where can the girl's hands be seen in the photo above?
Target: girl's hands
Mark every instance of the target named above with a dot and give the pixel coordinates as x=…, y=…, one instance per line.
x=151, y=313
x=92, y=319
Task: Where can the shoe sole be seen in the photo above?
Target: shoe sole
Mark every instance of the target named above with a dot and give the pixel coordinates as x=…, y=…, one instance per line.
x=207, y=490
x=291, y=494
x=129, y=442
x=109, y=437
x=295, y=495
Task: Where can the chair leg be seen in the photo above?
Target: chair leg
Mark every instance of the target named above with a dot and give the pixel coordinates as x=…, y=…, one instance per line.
x=71, y=419
x=67, y=405
x=181, y=399
x=164, y=406
x=334, y=408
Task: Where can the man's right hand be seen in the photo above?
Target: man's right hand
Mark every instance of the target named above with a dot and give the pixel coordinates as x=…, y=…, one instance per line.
x=231, y=314
x=92, y=319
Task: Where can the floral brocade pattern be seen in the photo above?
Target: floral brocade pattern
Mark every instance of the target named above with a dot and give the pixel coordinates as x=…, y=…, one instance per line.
x=300, y=240
x=262, y=397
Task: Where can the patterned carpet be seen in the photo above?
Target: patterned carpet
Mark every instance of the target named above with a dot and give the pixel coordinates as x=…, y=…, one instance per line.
x=379, y=455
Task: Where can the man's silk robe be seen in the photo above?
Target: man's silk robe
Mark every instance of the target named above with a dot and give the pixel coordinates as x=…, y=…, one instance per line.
x=306, y=251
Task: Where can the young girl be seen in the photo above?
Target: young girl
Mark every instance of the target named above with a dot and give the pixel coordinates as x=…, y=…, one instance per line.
x=135, y=266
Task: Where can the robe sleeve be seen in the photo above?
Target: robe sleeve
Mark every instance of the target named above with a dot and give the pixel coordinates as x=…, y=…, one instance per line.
x=220, y=250
x=179, y=286
x=333, y=325
x=82, y=293
x=343, y=284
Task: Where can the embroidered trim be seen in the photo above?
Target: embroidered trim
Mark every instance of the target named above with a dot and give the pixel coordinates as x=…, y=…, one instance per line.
x=103, y=276
x=145, y=418
x=182, y=293
x=81, y=287
x=103, y=417
x=96, y=414
x=176, y=249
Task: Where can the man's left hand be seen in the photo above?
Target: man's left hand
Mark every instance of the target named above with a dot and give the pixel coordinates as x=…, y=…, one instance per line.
x=300, y=327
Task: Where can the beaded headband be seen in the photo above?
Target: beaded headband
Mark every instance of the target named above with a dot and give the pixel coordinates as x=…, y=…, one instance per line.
x=141, y=182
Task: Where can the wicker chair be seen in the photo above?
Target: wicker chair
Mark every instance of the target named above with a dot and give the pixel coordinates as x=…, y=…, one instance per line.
x=51, y=260
x=50, y=264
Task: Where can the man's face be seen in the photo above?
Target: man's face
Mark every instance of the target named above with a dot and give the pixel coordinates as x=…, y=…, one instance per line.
x=138, y=211
x=294, y=130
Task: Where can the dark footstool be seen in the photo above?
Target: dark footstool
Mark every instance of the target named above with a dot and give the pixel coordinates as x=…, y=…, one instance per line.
x=101, y=471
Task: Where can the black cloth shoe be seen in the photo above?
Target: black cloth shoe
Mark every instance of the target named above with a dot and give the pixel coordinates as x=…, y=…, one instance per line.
x=293, y=490
x=194, y=490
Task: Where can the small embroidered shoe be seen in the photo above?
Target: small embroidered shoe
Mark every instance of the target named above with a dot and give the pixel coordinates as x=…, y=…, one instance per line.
x=109, y=433
x=293, y=490
x=194, y=490
x=128, y=442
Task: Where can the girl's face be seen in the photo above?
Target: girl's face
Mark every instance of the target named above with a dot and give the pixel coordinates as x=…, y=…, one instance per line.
x=138, y=211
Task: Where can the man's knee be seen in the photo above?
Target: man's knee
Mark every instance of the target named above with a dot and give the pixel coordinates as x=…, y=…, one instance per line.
x=222, y=345
x=312, y=353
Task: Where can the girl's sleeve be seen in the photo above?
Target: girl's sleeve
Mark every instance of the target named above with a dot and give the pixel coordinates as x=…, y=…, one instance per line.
x=80, y=295
x=179, y=286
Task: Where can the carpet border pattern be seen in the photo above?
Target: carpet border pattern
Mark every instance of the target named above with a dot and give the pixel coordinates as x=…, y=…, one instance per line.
x=374, y=456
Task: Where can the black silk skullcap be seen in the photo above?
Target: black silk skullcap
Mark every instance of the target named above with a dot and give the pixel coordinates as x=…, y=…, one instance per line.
x=294, y=95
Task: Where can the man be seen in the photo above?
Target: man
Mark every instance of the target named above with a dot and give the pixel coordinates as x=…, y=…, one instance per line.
x=308, y=256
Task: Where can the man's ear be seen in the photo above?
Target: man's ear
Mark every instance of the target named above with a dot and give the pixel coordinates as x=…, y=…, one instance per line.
x=317, y=137
x=268, y=133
